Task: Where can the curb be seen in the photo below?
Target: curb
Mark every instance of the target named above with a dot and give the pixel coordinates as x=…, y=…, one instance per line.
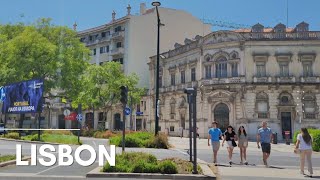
x=12, y=162
x=34, y=142
x=95, y=173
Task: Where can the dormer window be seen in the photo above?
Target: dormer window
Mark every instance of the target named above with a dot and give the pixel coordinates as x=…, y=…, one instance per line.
x=257, y=28
x=302, y=27
x=280, y=28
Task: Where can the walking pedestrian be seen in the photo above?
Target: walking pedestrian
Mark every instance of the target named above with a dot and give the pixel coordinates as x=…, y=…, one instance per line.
x=181, y=131
x=243, y=144
x=230, y=136
x=264, y=137
x=214, y=135
x=304, y=145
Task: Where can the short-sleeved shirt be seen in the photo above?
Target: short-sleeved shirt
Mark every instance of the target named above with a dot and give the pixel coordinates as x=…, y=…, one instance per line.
x=303, y=145
x=265, y=135
x=229, y=135
x=215, y=134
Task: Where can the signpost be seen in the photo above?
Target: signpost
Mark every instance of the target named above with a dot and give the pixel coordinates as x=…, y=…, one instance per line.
x=79, y=119
x=192, y=100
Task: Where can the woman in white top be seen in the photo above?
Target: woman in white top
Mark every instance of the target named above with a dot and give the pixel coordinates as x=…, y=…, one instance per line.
x=304, y=144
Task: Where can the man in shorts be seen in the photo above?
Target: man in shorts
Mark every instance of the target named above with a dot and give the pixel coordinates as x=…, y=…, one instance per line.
x=264, y=137
x=214, y=135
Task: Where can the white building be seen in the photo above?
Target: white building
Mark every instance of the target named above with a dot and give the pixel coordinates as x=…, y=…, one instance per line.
x=131, y=40
x=242, y=77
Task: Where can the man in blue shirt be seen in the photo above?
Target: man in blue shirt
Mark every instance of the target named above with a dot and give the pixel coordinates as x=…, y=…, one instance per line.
x=214, y=135
x=264, y=137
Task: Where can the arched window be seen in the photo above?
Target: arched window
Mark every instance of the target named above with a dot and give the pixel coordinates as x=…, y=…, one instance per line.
x=285, y=99
x=221, y=67
x=262, y=105
x=309, y=106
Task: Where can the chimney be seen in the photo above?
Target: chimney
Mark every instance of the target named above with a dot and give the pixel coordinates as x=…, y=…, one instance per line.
x=113, y=15
x=75, y=26
x=142, y=8
x=128, y=9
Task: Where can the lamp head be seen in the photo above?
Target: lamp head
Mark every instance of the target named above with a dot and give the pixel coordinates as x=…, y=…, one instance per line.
x=156, y=3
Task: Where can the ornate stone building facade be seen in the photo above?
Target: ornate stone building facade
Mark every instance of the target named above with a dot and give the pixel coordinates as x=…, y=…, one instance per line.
x=243, y=77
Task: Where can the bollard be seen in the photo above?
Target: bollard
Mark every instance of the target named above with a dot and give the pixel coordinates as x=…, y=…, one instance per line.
x=287, y=136
x=275, y=138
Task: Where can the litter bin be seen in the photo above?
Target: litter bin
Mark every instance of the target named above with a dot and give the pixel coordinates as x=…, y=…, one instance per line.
x=287, y=136
x=275, y=138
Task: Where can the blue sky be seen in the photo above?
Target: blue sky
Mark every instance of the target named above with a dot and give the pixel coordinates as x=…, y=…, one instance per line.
x=91, y=13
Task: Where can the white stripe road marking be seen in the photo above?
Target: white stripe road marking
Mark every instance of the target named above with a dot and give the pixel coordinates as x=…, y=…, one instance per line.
x=94, y=143
x=47, y=169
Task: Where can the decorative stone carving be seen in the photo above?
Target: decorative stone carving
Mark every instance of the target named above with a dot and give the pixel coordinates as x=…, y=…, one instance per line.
x=217, y=55
x=222, y=36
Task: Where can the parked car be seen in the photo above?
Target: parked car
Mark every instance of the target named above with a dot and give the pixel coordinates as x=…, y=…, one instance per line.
x=2, y=131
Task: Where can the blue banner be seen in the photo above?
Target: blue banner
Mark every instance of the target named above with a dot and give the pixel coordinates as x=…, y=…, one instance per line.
x=22, y=97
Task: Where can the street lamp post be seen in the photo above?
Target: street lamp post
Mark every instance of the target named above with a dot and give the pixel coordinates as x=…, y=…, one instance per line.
x=156, y=4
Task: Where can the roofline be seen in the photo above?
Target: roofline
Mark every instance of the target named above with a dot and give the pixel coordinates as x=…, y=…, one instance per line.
x=98, y=28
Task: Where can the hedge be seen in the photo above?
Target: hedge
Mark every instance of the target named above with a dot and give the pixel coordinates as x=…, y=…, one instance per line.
x=138, y=162
x=141, y=139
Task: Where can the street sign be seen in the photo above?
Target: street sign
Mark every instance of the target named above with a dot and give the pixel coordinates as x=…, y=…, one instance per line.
x=139, y=113
x=66, y=112
x=127, y=111
x=79, y=117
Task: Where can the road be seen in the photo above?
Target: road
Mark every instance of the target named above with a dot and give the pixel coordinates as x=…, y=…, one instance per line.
x=75, y=171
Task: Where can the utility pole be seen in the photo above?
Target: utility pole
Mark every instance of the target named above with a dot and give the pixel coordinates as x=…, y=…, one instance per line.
x=124, y=101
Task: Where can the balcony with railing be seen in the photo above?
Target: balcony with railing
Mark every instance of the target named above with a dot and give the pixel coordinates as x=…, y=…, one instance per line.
x=118, y=35
x=117, y=51
x=288, y=79
x=311, y=79
x=229, y=80
x=306, y=35
x=262, y=79
x=105, y=39
x=179, y=87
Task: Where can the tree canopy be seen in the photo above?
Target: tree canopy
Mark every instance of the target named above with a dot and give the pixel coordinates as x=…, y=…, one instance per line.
x=42, y=50
x=55, y=53
x=101, y=86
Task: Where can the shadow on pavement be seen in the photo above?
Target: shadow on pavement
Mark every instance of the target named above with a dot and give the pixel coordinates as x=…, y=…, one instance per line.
x=313, y=177
x=274, y=167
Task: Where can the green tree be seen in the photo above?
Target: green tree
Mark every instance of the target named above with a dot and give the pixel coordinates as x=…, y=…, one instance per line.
x=42, y=50
x=101, y=86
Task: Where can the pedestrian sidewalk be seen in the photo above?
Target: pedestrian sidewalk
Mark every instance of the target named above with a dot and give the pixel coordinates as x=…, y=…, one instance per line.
x=260, y=173
x=183, y=143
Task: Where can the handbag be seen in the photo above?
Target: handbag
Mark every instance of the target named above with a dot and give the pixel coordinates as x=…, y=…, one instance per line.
x=234, y=144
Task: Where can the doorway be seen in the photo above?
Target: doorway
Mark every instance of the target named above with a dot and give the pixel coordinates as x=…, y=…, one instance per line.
x=183, y=121
x=62, y=122
x=117, y=122
x=286, y=123
x=139, y=124
x=221, y=115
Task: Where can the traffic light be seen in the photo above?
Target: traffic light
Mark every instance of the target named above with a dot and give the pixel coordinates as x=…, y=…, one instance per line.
x=124, y=95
